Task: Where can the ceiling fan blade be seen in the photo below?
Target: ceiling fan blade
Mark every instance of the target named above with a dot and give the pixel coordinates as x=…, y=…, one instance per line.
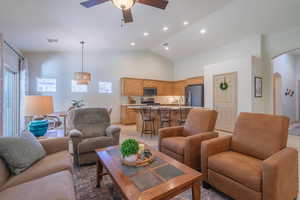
x=162, y=4
x=91, y=3
x=127, y=16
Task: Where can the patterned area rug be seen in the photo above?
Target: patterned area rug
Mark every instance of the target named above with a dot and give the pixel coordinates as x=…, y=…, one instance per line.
x=85, y=185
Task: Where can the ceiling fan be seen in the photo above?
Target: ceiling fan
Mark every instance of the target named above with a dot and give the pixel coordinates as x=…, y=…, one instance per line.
x=126, y=5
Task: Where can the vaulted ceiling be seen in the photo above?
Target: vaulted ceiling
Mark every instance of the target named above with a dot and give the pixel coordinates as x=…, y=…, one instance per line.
x=28, y=23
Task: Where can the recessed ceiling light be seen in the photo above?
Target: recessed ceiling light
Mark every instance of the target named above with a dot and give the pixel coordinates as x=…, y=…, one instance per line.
x=165, y=28
x=165, y=45
x=203, y=31
x=185, y=23
x=146, y=34
x=132, y=44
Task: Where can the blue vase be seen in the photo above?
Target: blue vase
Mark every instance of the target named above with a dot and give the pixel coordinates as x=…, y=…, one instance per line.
x=38, y=127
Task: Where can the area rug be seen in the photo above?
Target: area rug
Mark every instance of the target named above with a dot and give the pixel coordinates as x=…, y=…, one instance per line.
x=85, y=186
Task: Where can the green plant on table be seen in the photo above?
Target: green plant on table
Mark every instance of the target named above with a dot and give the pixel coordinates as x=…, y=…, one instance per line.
x=129, y=147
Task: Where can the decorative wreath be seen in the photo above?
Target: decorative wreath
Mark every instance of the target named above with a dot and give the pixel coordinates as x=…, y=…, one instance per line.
x=224, y=86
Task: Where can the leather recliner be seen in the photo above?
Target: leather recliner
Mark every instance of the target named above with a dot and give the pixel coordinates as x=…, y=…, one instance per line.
x=255, y=163
x=183, y=143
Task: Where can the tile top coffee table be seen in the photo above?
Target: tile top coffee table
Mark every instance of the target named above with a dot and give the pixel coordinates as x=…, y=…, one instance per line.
x=162, y=179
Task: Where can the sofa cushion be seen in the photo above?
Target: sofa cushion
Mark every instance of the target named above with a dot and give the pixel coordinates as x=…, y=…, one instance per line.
x=20, y=152
x=241, y=168
x=252, y=130
x=174, y=144
x=48, y=165
x=4, y=172
x=90, y=144
x=58, y=186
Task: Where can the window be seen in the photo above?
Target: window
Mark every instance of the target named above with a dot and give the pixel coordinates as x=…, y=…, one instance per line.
x=46, y=85
x=11, y=103
x=105, y=87
x=78, y=88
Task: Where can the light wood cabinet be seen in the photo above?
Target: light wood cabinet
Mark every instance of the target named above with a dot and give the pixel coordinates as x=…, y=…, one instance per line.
x=128, y=115
x=179, y=88
x=195, y=81
x=132, y=87
x=165, y=88
x=135, y=87
x=150, y=83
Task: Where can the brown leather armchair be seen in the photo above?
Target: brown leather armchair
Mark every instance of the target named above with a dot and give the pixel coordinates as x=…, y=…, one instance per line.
x=255, y=163
x=183, y=143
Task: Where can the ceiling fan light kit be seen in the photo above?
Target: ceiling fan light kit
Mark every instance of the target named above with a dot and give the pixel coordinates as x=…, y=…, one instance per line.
x=123, y=4
x=126, y=5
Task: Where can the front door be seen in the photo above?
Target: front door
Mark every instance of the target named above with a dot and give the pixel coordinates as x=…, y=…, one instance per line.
x=225, y=100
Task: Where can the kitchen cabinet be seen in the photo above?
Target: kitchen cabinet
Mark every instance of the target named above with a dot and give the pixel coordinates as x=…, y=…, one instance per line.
x=128, y=115
x=135, y=87
x=179, y=88
x=132, y=87
x=195, y=81
x=165, y=88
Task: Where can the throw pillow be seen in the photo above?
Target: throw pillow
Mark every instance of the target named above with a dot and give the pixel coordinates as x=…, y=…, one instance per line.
x=20, y=152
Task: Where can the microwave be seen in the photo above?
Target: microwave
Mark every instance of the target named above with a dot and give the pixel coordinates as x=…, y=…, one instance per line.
x=150, y=92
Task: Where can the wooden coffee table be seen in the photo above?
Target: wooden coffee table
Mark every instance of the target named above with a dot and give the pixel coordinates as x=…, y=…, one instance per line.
x=161, y=180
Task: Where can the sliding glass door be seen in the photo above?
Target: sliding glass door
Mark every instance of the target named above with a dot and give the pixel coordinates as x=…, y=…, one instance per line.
x=11, y=103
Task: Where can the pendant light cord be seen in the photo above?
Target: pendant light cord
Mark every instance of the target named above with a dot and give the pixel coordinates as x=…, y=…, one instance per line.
x=82, y=43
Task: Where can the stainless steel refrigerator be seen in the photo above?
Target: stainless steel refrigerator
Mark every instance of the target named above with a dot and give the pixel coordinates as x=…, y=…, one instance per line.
x=194, y=95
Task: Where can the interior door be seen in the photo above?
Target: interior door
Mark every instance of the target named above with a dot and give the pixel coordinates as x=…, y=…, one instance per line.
x=225, y=101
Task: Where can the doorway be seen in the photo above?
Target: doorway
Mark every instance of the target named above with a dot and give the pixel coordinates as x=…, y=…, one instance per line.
x=277, y=100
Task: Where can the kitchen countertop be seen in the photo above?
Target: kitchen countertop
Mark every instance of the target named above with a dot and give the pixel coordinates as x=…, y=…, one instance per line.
x=158, y=107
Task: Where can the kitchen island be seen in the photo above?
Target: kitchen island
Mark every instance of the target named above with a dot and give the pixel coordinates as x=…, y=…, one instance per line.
x=155, y=113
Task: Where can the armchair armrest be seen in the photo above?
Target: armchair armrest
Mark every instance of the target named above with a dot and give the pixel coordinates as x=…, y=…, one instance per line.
x=76, y=137
x=55, y=145
x=192, y=150
x=169, y=132
x=280, y=175
x=114, y=132
x=210, y=148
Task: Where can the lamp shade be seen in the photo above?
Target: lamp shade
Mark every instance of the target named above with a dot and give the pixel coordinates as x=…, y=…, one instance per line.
x=82, y=78
x=38, y=105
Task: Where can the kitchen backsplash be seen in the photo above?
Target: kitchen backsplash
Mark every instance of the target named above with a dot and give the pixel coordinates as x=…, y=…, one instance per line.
x=158, y=99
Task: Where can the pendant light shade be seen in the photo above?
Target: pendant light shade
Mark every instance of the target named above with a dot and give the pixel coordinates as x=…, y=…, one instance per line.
x=124, y=4
x=82, y=78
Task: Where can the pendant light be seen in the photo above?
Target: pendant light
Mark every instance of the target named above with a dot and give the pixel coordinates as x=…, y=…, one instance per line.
x=82, y=78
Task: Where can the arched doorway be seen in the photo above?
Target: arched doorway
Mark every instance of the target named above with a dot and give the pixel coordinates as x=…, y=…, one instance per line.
x=277, y=90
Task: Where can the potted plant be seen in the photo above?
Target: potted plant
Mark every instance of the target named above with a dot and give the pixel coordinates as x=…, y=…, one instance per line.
x=129, y=150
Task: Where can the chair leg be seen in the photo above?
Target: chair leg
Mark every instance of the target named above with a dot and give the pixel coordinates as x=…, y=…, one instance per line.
x=154, y=132
x=143, y=129
x=206, y=185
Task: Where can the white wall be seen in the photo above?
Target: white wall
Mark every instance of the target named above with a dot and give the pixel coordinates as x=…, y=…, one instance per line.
x=297, y=66
x=243, y=67
x=193, y=65
x=104, y=66
x=258, y=103
x=285, y=65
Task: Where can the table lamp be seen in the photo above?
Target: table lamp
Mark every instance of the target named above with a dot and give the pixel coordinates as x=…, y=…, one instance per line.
x=38, y=107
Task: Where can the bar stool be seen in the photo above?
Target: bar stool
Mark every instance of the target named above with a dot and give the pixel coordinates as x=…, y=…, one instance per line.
x=165, y=117
x=147, y=118
x=183, y=112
